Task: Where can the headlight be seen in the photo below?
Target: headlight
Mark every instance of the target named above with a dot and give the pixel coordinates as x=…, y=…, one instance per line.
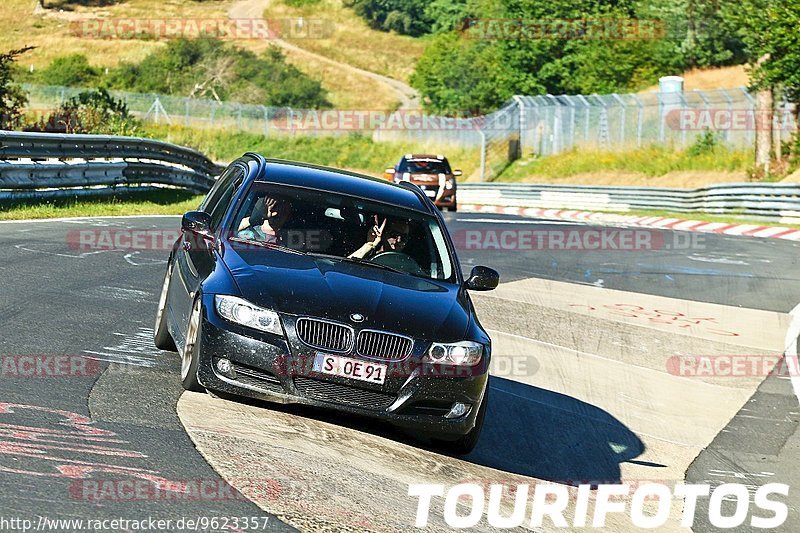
x=448, y=184
x=464, y=353
x=244, y=313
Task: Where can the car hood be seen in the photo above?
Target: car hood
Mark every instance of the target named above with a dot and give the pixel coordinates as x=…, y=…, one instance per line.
x=333, y=289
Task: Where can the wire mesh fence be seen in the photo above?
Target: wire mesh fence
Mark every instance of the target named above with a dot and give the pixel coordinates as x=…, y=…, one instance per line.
x=525, y=125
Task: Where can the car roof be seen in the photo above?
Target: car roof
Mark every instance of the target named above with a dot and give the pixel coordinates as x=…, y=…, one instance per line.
x=437, y=157
x=297, y=174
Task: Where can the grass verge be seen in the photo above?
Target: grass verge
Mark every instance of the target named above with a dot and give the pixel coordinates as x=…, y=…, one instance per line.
x=642, y=166
x=167, y=202
x=352, y=151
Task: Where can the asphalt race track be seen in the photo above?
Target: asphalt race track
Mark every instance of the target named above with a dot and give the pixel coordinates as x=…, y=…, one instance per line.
x=94, y=425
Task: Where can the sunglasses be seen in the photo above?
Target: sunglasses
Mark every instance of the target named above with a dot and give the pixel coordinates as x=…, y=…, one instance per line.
x=393, y=234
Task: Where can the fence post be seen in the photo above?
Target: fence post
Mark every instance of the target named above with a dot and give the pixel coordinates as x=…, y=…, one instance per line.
x=750, y=137
x=483, y=155
x=571, y=121
x=266, y=120
x=588, y=118
x=728, y=99
x=639, y=120
x=622, y=119
x=685, y=103
x=522, y=125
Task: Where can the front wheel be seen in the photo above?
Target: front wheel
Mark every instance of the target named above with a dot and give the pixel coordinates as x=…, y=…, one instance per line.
x=190, y=357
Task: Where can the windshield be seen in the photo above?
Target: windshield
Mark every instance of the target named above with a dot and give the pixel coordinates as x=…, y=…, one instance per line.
x=343, y=228
x=428, y=166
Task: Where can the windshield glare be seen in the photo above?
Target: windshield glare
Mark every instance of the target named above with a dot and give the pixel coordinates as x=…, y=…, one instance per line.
x=343, y=227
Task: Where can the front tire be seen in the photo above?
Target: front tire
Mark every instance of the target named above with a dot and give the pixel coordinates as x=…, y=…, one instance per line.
x=190, y=357
x=161, y=337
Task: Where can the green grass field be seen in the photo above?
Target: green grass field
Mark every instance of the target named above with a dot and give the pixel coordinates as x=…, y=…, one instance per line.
x=643, y=166
x=352, y=152
x=167, y=202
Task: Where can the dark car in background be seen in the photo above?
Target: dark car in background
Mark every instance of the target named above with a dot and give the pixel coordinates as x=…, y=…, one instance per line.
x=304, y=284
x=432, y=174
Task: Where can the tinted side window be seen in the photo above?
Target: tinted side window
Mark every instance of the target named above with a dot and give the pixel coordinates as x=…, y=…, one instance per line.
x=224, y=198
x=214, y=195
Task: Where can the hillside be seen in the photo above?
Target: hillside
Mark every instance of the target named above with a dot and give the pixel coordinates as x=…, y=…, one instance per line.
x=350, y=62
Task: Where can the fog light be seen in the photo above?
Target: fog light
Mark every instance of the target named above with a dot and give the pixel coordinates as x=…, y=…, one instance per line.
x=224, y=366
x=458, y=410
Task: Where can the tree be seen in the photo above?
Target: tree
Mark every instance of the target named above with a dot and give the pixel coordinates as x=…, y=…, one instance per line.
x=12, y=97
x=768, y=29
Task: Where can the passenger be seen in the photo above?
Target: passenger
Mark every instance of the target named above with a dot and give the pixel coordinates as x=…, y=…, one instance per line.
x=350, y=233
x=269, y=215
x=383, y=238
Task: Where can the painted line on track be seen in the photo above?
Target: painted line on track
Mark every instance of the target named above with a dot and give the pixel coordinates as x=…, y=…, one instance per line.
x=793, y=366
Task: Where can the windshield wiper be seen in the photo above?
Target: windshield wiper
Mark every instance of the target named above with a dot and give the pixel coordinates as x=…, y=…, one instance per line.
x=358, y=261
x=270, y=245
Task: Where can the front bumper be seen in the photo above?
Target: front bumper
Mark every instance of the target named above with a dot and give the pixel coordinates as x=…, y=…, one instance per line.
x=415, y=396
x=441, y=196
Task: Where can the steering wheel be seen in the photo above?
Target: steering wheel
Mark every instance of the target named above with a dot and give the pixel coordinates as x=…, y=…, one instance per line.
x=399, y=261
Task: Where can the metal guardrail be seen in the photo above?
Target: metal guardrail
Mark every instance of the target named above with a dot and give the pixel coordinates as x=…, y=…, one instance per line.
x=45, y=165
x=769, y=200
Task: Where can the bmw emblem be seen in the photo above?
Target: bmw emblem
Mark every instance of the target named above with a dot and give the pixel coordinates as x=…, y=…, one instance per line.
x=357, y=317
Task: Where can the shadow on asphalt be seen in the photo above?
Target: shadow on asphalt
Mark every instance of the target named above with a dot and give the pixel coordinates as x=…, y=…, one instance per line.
x=528, y=431
x=538, y=433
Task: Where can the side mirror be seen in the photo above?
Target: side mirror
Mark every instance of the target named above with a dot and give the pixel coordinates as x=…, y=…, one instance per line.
x=482, y=279
x=457, y=173
x=196, y=222
x=389, y=171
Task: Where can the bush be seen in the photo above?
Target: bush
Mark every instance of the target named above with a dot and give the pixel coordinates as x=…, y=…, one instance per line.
x=403, y=16
x=72, y=70
x=703, y=144
x=93, y=111
x=209, y=68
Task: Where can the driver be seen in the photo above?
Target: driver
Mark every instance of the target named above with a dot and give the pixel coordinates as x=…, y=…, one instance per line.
x=384, y=237
x=265, y=222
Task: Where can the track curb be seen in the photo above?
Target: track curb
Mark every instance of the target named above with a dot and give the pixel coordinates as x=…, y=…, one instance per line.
x=678, y=224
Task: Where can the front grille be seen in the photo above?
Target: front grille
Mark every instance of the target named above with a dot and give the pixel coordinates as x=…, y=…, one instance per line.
x=324, y=335
x=383, y=345
x=334, y=392
x=260, y=379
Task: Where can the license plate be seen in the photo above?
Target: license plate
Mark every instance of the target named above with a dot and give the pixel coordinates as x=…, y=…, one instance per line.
x=350, y=368
x=431, y=193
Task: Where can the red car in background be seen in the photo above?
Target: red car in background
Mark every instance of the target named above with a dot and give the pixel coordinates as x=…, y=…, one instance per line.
x=433, y=175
